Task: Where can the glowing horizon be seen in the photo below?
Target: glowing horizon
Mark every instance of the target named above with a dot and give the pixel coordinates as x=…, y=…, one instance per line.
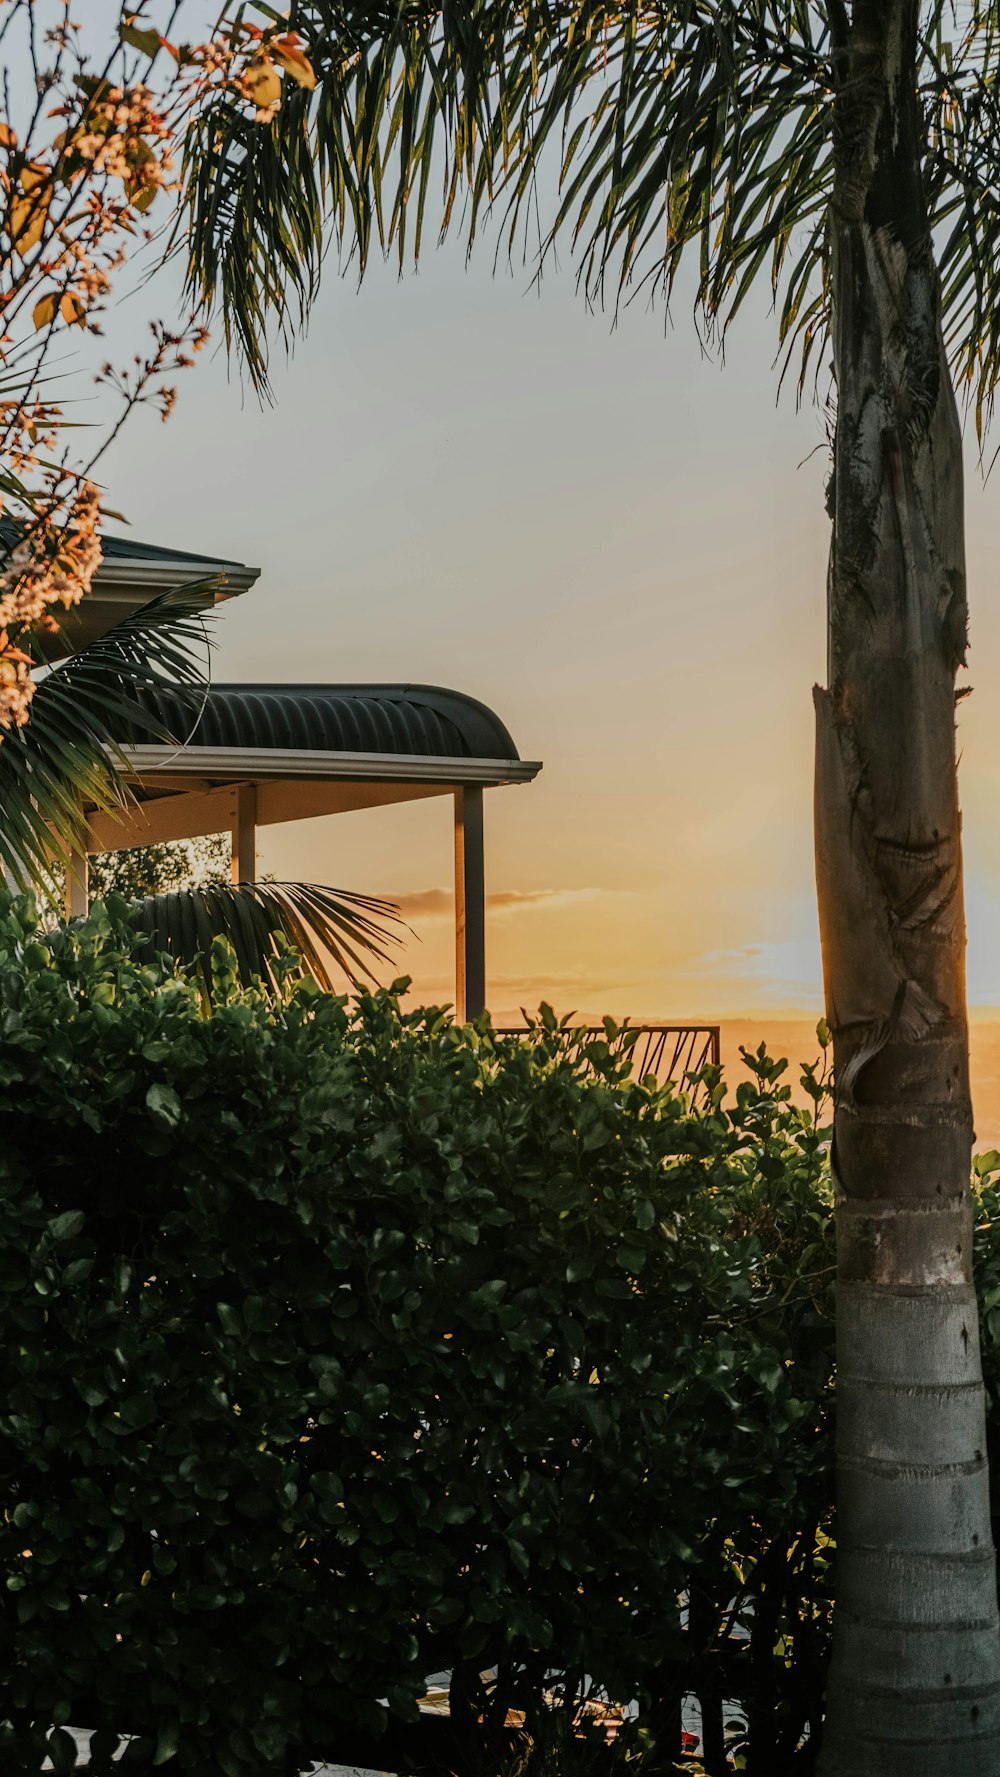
x=617, y=546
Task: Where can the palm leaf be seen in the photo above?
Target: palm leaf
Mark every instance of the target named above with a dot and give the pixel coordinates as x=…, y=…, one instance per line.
x=676, y=124
x=676, y=128
x=70, y=753
x=328, y=928
x=85, y=711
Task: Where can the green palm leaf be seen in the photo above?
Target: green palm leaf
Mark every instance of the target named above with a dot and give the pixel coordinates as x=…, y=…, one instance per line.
x=329, y=929
x=85, y=711
x=69, y=754
x=680, y=123
x=673, y=128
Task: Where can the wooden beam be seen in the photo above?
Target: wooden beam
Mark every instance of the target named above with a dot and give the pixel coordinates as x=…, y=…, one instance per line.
x=470, y=906
x=76, y=885
x=244, y=831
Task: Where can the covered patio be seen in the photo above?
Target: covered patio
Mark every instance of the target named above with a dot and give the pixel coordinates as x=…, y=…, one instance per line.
x=247, y=756
x=253, y=755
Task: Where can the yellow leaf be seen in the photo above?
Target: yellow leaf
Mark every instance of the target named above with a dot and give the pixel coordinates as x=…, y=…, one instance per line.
x=28, y=210
x=71, y=308
x=32, y=175
x=7, y=136
x=26, y=224
x=296, y=64
x=45, y=310
x=262, y=84
x=147, y=1576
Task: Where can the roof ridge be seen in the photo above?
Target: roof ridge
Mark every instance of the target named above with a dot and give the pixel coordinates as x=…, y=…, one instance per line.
x=129, y=549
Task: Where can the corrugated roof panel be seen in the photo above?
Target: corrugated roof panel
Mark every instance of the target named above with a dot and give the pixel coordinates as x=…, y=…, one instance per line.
x=419, y=720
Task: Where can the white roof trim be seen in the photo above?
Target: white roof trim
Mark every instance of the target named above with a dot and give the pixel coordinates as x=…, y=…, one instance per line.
x=117, y=577
x=248, y=763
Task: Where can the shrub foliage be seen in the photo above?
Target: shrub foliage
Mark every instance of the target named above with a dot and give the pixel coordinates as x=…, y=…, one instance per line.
x=342, y=1347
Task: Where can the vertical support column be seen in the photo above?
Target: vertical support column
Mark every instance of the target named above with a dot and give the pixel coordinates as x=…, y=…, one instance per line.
x=245, y=834
x=470, y=906
x=77, y=885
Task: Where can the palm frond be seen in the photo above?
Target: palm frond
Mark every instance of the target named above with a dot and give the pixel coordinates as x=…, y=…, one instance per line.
x=69, y=754
x=675, y=127
x=962, y=104
x=676, y=124
x=331, y=930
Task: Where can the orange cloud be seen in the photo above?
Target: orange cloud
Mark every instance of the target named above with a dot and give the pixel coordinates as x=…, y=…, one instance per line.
x=435, y=903
x=439, y=903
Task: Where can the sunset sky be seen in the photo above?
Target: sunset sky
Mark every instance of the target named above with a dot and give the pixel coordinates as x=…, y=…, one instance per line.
x=612, y=540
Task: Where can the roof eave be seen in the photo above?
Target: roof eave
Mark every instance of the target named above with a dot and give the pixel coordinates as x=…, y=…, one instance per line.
x=118, y=576
x=245, y=764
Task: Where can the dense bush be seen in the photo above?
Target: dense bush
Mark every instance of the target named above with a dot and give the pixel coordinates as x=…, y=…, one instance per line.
x=340, y=1347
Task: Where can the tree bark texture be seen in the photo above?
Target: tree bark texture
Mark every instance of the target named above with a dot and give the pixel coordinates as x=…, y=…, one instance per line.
x=915, y=1678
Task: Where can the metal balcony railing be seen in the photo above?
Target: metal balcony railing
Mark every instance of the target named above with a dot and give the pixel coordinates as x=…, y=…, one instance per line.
x=668, y=1051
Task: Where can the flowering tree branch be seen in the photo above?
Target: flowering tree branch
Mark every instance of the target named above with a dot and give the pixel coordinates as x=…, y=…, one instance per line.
x=83, y=159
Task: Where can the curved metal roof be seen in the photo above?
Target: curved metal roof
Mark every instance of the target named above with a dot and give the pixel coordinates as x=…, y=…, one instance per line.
x=420, y=720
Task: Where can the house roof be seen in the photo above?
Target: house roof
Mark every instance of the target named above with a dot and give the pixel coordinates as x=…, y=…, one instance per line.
x=131, y=574
x=129, y=549
x=303, y=750
x=424, y=721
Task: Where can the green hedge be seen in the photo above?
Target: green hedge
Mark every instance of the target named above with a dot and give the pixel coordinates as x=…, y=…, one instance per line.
x=340, y=1347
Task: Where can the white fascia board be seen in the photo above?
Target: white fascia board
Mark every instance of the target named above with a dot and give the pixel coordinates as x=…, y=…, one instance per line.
x=119, y=578
x=248, y=763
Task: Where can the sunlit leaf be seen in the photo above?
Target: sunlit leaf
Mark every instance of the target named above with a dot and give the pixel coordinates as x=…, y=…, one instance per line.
x=296, y=64
x=71, y=308
x=263, y=84
x=26, y=218
x=45, y=310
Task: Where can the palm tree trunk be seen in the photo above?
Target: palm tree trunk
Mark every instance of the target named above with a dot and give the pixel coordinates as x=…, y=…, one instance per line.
x=915, y=1678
